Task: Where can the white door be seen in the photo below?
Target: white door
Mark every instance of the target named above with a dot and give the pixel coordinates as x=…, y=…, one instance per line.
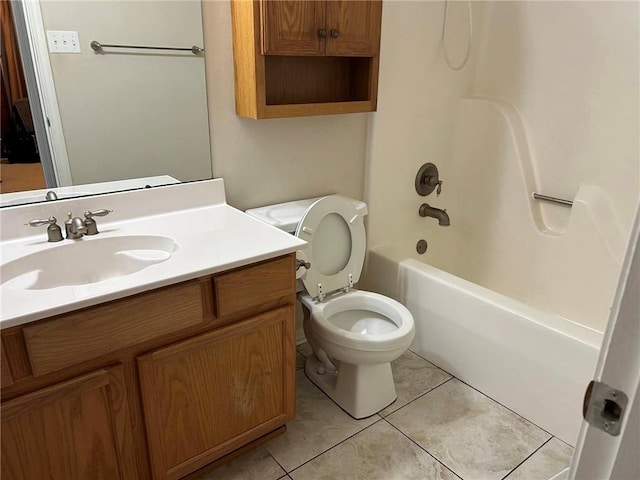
x=600, y=455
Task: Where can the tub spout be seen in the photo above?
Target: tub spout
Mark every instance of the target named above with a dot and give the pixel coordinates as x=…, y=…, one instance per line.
x=442, y=216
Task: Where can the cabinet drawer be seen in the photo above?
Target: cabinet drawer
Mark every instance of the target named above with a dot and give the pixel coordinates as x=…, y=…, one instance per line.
x=87, y=334
x=252, y=286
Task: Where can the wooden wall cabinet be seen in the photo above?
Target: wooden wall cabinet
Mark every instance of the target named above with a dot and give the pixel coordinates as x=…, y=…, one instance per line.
x=305, y=57
x=180, y=378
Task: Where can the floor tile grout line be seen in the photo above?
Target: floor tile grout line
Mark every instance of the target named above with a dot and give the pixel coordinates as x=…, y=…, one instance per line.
x=427, y=360
x=411, y=401
x=504, y=406
x=419, y=396
x=482, y=393
x=422, y=448
x=474, y=388
x=485, y=395
x=333, y=446
x=560, y=440
x=491, y=398
x=527, y=458
x=286, y=474
x=363, y=429
x=436, y=387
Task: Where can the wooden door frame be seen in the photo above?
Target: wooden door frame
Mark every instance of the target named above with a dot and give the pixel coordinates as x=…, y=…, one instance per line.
x=34, y=51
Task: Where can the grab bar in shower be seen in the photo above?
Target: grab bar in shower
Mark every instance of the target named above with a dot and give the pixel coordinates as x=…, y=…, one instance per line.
x=547, y=198
x=97, y=46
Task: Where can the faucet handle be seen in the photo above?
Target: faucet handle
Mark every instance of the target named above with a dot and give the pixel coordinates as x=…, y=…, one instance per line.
x=54, y=233
x=40, y=223
x=434, y=181
x=90, y=223
x=97, y=213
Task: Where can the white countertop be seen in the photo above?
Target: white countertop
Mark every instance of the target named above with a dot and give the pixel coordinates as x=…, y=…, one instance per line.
x=211, y=237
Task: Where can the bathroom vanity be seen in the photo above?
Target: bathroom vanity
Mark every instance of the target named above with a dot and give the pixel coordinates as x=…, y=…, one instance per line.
x=159, y=373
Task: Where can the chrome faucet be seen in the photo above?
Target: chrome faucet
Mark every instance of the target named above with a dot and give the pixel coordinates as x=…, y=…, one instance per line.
x=427, y=210
x=74, y=227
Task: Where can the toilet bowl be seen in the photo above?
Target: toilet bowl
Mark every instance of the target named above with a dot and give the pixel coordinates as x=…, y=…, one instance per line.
x=354, y=334
x=360, y=333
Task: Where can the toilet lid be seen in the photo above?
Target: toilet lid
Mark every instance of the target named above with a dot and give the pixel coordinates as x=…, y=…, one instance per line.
x=334, y=230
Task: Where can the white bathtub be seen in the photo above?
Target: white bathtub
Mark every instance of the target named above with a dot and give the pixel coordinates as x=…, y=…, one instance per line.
x=534, y=363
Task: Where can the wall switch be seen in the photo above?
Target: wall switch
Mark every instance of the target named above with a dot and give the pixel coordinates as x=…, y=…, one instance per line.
x=63, y=42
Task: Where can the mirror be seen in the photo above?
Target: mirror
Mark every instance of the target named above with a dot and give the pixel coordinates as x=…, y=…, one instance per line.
x=117, y=118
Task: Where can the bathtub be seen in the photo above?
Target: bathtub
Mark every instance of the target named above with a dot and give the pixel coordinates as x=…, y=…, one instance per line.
x=535, y=363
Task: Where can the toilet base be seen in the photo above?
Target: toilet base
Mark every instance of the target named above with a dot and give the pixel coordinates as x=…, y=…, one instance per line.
x=360, y=390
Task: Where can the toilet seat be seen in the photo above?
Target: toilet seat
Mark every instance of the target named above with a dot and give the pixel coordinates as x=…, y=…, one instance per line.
x=334, y=230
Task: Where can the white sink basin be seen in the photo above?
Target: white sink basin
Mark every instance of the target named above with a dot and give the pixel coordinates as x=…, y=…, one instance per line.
x=85, y=261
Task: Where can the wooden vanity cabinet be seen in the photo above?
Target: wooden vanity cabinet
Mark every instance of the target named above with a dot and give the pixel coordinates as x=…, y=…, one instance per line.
x=180, y=378
x=211, y=394
x=305, y=57
x=77, y=429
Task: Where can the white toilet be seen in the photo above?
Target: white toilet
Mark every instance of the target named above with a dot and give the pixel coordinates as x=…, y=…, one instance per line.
x=354, y=334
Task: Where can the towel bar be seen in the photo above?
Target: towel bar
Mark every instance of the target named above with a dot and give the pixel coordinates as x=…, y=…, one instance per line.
x=97, y=46
x=546, y=198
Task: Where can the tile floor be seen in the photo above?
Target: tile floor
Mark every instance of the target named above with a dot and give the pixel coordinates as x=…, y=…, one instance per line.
x=438, y=428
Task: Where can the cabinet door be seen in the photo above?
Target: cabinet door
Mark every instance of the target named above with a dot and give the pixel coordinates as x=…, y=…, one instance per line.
x=353, y=27
x=209, y=395
x=292, y=27
x=78, y=429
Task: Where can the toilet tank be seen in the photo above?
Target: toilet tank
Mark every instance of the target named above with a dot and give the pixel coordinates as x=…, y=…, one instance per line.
x=286, y=216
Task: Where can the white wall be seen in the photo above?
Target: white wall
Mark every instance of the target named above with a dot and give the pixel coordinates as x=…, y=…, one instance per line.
x=127, y=114
x=277, y=160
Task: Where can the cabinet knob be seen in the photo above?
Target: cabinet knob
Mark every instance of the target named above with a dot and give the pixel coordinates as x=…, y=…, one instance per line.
x=335, y=33
x=322, y=32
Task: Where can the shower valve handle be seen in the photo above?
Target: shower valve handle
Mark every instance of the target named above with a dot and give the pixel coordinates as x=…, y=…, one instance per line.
x=433, y=181
x=428, y=180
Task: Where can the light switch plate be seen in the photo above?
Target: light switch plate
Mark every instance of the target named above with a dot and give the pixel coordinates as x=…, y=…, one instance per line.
x=63, y=42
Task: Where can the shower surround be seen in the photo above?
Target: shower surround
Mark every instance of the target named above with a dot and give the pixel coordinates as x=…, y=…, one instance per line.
x=514, y=295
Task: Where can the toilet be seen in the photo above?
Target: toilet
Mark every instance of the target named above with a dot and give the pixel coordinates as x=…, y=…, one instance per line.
x=354, y=334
